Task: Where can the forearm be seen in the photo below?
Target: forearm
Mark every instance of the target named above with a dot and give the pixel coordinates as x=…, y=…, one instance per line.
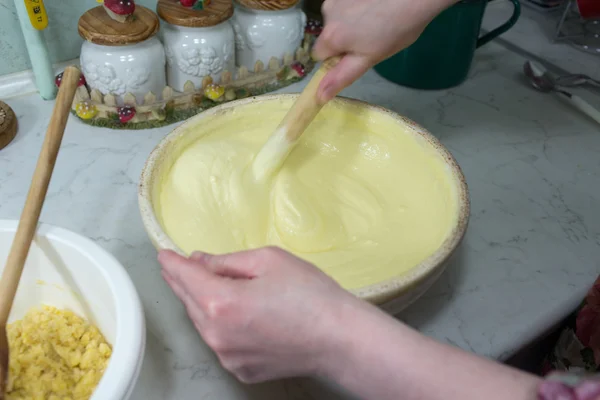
x=382, y=359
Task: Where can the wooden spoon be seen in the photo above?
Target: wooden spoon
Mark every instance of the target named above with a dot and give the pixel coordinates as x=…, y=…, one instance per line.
x=303, y=111
x=32, y=209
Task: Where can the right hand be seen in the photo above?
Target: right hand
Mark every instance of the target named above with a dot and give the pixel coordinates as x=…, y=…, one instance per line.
x=366, y=33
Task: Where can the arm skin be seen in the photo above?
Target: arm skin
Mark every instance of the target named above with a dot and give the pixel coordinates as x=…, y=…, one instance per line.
x=240, y=303
x=376, y=357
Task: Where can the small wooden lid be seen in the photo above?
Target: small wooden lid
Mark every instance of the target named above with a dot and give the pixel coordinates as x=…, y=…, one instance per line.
x=98, y=27
x=270, y=5
x=174, y=13
x=8, y=125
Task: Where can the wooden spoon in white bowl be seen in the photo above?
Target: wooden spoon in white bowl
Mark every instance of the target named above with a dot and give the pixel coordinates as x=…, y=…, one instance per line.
x=282, y=141
x=32, y=209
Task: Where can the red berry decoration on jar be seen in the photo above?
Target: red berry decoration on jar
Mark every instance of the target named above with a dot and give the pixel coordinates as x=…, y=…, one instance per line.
x=313, y=27
x=126, y=113
x=58, y=80
x=119, y=10
x=299, y=68
x=82, y=81
x=187, y=3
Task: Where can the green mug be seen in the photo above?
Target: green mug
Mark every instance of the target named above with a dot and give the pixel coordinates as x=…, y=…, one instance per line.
x=442, y=56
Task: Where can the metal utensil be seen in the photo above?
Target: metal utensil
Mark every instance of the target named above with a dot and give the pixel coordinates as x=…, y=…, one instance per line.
x=543, y=81
x=573, y=80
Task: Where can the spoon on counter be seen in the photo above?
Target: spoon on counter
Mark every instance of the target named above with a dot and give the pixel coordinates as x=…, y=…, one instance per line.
x=572, y=80
x=303, y=112
x=30, y=215
x=544, y=82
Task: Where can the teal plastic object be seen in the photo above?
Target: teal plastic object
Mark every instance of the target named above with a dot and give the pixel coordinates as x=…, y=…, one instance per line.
x=442, y=56
x=38, y=54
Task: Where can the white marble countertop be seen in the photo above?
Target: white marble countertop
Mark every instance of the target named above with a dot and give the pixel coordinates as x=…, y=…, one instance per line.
x=531, y=251
x=535, y=33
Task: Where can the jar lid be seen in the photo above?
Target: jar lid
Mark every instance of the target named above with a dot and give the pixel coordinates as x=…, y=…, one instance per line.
x=174, y=13
x=8, y=125
x=270, y=5
x=96, y=26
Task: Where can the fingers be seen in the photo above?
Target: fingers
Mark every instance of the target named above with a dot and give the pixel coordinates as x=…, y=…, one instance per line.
x=349, y=69
x=241, y=265
x=337, y=40
x=199, y=256
x=247, y=264
x=175, y=286
x=184, y=295
x=182, y=270
x=330, y=43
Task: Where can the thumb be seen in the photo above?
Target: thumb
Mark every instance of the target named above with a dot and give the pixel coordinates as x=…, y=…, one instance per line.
x=239, y=265
x=349, y=69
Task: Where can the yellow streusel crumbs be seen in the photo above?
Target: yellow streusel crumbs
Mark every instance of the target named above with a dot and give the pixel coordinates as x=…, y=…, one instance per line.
x=55, y=355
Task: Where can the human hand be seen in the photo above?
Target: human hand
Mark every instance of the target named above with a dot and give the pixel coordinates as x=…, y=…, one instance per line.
x=266, y=313
x=366, y=33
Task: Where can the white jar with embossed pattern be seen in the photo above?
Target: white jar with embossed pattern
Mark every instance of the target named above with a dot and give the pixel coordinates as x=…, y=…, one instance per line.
x=120, y=58
x=198, y=43
x=265, y=29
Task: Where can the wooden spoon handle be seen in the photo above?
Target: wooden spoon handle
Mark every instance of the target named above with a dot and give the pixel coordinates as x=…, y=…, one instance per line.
x=307, y=106
x=37, y=193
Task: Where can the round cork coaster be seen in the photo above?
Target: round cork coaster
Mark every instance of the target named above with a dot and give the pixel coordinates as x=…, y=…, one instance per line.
x=270, y=5
x=96, y=26
x=174, y=13
x=8, y=125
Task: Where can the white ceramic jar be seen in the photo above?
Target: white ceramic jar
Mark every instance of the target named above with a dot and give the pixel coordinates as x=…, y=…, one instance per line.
x=120, y=63
x=198, y=43
x=137, y=69
x=193, y=53
x=262, y=33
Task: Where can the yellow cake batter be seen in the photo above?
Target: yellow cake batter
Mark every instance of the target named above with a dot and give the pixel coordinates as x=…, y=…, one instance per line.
x=54, y=355
x=359, y=196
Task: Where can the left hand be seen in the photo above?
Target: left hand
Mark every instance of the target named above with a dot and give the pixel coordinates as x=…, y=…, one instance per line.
x=266, y=313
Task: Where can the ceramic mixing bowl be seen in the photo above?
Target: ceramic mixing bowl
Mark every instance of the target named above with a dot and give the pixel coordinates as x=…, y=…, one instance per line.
x=392, y=294
x=68, y=271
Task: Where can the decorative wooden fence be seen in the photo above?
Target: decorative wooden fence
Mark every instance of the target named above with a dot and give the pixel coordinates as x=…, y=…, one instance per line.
x=153, y=106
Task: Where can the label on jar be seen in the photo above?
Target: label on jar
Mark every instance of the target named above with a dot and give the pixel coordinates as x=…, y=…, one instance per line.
x=37, y=14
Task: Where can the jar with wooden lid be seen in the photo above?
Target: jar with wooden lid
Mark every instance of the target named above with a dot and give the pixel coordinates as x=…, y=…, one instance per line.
x=121, y=53
x=8, y=125
x=267, y=28
x=198, y=40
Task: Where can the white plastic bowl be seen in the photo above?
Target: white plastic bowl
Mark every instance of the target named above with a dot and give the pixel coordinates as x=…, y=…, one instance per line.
x=66, y=270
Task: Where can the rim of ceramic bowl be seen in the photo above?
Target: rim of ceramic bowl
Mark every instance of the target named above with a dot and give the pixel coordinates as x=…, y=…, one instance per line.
x=130, y=340
x=377, y=293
